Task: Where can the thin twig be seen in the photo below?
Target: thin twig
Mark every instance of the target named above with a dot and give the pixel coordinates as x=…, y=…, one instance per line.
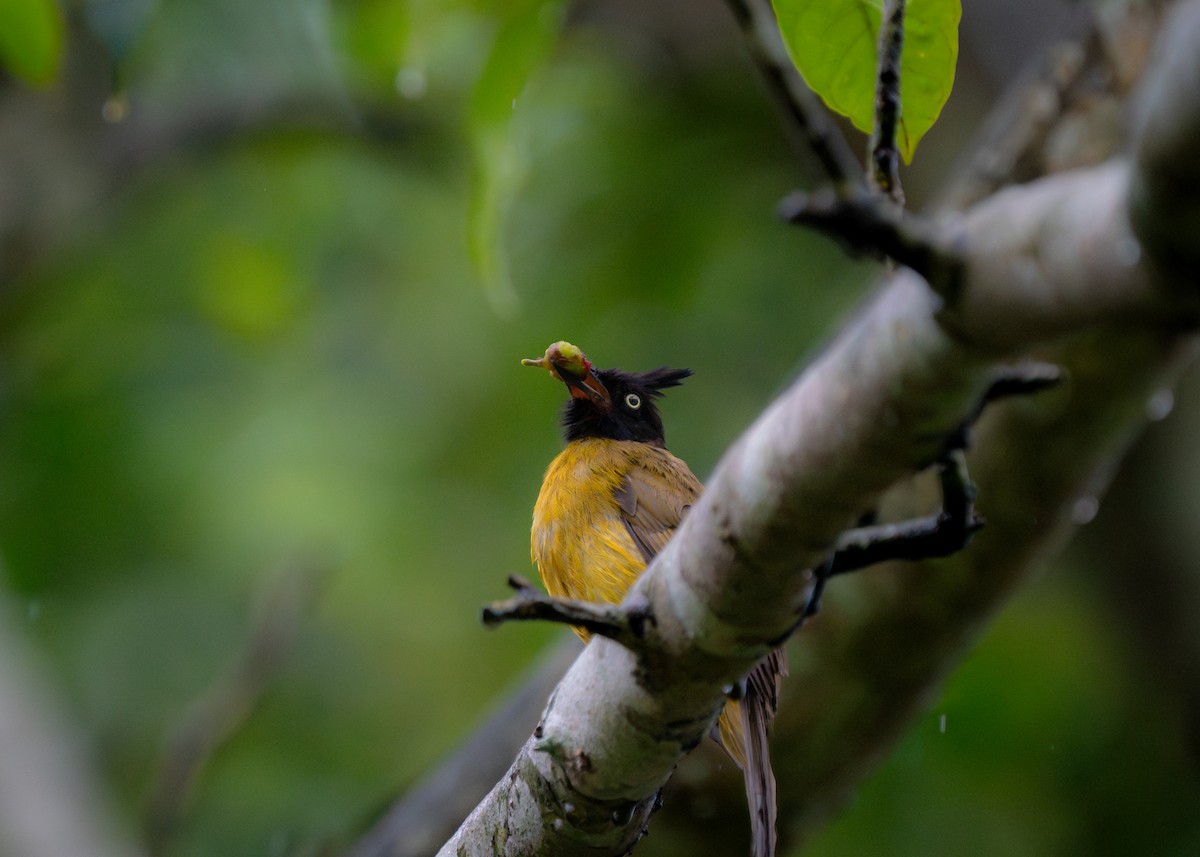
x=1026, y=378
x=799, y=104
x=1023, y=379
x=885, y=157
x=942, y=534
x=622, y=623
x=946, y=532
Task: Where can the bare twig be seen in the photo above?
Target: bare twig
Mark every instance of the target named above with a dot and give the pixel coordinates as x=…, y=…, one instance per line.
x=622, y=623
x=800, y=105
x=863, y=223
x=950, y=529
x=884, y=156
x=938, y=535
x=1022, y=379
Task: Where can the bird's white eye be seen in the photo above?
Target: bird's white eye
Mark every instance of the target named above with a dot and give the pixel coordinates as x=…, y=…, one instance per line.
x=633, y=400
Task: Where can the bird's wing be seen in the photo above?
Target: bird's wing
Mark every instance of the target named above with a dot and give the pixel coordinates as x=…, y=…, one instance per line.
x=654, y=495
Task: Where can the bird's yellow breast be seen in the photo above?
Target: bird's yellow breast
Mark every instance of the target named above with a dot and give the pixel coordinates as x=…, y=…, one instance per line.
x=579, y=540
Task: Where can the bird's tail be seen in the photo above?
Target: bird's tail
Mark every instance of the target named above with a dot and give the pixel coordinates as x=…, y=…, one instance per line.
x=742, y=731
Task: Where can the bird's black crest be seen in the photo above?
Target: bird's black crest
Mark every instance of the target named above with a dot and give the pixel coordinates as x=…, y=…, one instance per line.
x=634, y=419
x=658, y=379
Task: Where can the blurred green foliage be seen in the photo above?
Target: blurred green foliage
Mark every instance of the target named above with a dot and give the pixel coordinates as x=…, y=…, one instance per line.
x=270, y=343
x=31, y=39
x=1051, y=740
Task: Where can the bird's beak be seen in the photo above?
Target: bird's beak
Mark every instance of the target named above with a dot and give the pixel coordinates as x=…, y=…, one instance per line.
x=571, y=366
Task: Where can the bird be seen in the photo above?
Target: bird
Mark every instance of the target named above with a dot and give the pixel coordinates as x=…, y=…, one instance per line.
x=608, y=504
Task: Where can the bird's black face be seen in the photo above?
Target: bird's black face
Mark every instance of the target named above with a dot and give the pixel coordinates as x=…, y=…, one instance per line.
x=630, y=412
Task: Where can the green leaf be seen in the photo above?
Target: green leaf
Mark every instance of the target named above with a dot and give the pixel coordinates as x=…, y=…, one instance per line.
x=31, y=39
x=524, y=39
x=834, y=45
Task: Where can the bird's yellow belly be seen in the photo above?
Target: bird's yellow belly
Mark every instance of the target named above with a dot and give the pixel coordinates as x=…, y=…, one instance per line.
x=580, y=543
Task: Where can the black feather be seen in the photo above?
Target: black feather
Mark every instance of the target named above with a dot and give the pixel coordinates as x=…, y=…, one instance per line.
x=658, y=379
x=583, y=418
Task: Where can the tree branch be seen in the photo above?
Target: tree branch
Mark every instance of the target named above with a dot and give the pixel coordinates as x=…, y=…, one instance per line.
x=866, y=224
x=731, y=582
x=889, y=637
x=1067, y=444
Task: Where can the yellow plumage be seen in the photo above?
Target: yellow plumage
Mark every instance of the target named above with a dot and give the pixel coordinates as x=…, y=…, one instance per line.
x=582, y=544
x=609, y=503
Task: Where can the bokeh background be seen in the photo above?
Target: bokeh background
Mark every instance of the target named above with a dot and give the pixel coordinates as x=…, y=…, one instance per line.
x=266, y=273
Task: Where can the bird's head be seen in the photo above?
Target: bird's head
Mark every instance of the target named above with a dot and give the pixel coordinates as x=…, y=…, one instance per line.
x=608, y=403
